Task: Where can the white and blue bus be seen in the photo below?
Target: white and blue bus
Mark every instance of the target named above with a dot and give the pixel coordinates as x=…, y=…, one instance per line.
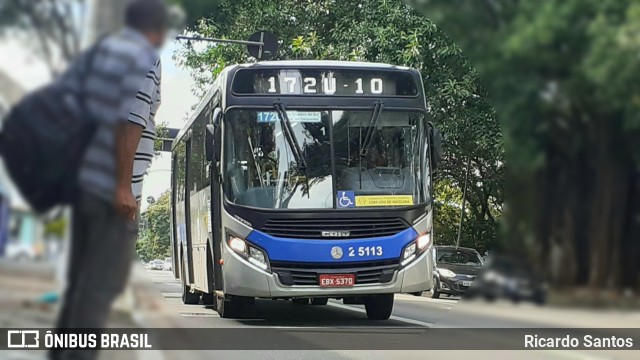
x=305, y=180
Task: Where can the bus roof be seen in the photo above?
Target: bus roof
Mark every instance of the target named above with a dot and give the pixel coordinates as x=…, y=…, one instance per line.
x=321, y=63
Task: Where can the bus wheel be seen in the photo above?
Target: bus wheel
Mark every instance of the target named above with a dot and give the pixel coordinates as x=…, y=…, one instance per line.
x=208, y=298
x=300, y=301
x=435, y=294
x=230, y=307
x=379, y=307
x=319, y=301
x=188, y=297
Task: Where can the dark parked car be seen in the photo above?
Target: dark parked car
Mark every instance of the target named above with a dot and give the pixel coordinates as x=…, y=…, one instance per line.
x=509, y=278
x=455, y=270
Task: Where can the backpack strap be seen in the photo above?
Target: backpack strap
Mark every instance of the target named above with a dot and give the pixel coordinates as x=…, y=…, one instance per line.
x=87, y=68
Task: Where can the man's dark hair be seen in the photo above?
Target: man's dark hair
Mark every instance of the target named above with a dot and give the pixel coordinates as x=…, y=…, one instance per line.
x=147, y=15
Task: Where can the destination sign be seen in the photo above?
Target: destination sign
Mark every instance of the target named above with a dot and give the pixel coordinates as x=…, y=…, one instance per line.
x=315, y=81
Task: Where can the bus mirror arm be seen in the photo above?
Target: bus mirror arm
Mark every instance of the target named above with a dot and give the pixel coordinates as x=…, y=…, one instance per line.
x=212, y=147
x=210, y=142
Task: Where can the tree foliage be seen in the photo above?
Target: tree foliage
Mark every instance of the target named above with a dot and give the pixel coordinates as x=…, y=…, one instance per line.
x=196, y=9
x=154, y=241
x=390, y=32
x=52, y=27
x=563, y=75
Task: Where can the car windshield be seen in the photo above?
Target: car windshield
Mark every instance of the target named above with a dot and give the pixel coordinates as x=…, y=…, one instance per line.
x=458, y=257
x=264, y=168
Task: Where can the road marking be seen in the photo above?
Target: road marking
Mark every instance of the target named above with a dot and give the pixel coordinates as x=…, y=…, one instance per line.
x=393, y=317
x=198, y=315
x=405, y=297
x=172, y=295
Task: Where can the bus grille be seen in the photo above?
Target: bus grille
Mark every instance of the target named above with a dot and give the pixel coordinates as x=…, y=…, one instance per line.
x=314, y=228
x=308, y=274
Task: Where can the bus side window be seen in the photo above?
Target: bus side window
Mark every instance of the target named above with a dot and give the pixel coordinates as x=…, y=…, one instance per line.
x=180, y=171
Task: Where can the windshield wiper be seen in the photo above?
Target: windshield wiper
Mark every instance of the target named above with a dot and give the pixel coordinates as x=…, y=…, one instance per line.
x=366, y=142
x=291, y=139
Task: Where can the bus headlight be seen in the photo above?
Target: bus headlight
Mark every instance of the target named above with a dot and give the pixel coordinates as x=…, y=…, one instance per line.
x=257, y=258
x=408, y=251
x=239, y=245
x=415, y=248
x=250, y=253
x=423, y=241
x=408, y=254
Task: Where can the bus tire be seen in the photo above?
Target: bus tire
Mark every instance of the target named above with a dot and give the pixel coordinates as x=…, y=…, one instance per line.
x=226, y=308
x=208, y=298
x=379, y=307
x=435, y=294
x=233, y=307
x=188, y=297
x=300, y=301
x=319, y=301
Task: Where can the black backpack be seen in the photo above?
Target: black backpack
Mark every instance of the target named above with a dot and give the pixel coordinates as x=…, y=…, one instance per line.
x=43, y=144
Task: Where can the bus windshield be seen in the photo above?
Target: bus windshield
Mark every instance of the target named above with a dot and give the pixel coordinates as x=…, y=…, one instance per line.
x=264, y=168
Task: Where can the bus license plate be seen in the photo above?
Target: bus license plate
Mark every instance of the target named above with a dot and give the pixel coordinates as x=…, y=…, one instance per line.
x=337, y=280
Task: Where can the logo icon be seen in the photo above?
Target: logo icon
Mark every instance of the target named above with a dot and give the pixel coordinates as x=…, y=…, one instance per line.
x=346, y=199
x=22, y=339
x=336, y=233
x=336, y=252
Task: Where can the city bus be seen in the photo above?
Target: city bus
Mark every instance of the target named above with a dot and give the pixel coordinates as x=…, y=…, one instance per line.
x=305, y=181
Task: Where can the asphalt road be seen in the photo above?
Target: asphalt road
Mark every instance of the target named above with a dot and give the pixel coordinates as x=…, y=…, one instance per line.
x=410, y=312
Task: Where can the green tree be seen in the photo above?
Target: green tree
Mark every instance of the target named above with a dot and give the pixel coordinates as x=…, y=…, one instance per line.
x=54, y=24
x=563, y=75
x=154, y=240
x=196, y=9
x=380, y=31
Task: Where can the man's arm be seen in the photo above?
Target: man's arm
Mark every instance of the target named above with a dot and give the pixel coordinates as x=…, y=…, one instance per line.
x=128, y=136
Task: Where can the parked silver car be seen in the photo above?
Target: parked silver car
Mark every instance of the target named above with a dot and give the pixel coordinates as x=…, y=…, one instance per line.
x=156, y=265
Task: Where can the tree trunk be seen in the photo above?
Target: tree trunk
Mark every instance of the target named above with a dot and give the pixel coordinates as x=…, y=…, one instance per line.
x=610, y=201
x=630, y=248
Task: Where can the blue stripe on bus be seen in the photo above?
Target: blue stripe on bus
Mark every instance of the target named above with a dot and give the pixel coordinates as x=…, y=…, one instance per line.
x=304, y=250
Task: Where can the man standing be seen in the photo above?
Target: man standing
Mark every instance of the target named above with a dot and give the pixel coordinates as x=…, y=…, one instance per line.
x=143, y=127
x=121, y=94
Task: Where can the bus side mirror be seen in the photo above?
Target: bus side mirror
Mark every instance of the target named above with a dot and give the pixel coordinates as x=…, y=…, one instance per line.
x=436, y=147
x=209, y=142
x=211, y=145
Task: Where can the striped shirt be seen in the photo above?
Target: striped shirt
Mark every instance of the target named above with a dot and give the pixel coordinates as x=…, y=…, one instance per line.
x=143, y=113
x=116, y=74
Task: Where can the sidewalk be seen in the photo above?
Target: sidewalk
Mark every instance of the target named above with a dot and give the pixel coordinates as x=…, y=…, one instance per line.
x=21, y=284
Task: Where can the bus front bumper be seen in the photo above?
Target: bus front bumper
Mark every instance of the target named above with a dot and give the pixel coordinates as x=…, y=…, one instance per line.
x=242, y=278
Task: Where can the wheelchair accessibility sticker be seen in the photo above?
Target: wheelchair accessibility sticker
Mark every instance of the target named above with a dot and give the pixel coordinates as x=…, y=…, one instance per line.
x=346, y=199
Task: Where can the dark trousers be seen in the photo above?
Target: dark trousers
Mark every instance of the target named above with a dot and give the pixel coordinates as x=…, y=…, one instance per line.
x=102, y=249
